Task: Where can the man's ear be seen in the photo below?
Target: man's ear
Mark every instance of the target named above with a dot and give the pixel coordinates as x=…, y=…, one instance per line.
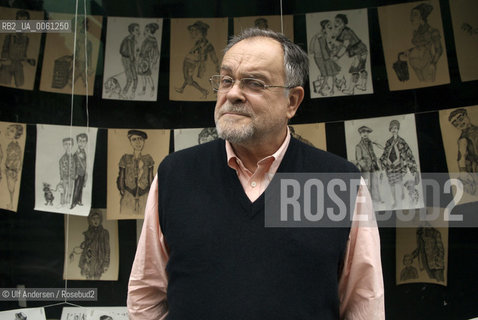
x=296, y=95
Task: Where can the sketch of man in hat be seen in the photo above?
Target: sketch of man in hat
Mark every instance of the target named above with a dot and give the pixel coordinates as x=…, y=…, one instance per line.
x=197, y=57
x=135, y=174
x=367, y=161
x=467, y=142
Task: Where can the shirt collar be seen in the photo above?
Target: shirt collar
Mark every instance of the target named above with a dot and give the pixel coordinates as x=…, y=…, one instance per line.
x=233, y=159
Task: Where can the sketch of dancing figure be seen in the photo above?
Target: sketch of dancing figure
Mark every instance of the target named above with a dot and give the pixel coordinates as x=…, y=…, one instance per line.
x=396, y=159
x=197, y=57
x=13, y=160
x=95, y=248
x=79, y=159
x=128, y=58
x=14, y=53
x=356, y=49
x=322, y=47
x=135, y=174
x=427, y=48
x=430, y=252
x=367, y=162
x=148, y=57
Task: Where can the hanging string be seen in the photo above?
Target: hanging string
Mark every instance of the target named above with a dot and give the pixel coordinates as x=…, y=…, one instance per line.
x=67, y=222
x=281, y=19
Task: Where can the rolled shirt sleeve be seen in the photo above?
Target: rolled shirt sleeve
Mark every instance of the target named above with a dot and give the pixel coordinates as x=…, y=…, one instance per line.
x=148, y=281
x=361, y=290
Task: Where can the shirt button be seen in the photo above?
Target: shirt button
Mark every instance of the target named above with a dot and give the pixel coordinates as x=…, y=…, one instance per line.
x=253, y=184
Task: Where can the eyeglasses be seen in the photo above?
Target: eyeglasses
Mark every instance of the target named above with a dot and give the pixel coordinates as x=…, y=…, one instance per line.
x=248, y=85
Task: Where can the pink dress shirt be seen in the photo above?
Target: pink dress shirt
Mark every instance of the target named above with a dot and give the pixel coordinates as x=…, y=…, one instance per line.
x=361, y=291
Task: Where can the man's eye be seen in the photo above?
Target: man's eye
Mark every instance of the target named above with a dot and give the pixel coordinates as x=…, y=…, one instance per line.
x=254, y=84
x=226, y=82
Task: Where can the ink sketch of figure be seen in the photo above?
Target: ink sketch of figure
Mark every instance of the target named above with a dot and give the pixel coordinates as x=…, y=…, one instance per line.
x=95, y=248
x=14, y=54
x=1, y=158
x=128, y=54
x=397, y=159
x=67, y=171
x=135, y=175
x=367, y=162
x=197, y=57
x=207, y=134
x=322, y=47
x=13, y=160
x=430, y=252
x=409, y=272
x=148, y=57
x=79, y=159
x=356, y=49
x=467, y=142
x=83, y=52
x=427, y=48
x=261, y=23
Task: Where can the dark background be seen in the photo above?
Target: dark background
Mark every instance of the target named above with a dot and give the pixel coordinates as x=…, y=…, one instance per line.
x=32, y=243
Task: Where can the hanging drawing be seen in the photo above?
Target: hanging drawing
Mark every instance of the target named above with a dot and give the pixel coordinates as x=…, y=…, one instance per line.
x=185, y=138
x=195, y=56
x=12, y=150
x=20, y=50
x=24, y=314
x=266, y=22
x=465, y=31
x=413, y=45
x=312, y=134
x=339, y=53
x=91, y=247
x=422, y=249
x=133, y=158
x=133, y=47
x=94, y=313
x=70, y=59
x=385, y=150
x=459, y=128
x=64, y=169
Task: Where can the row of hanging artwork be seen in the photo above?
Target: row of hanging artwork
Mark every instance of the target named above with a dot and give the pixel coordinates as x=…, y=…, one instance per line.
x=338, y=47
x=385, y=149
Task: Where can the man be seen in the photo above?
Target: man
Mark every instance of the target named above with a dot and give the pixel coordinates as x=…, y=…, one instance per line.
x=128, y=58
x=135, y=175
x=80, y=170
x=67, y=171
x=367, y=162
x=204, y=252
x=467, y=142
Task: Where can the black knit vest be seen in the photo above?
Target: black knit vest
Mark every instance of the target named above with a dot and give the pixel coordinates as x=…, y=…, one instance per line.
x=224, y=264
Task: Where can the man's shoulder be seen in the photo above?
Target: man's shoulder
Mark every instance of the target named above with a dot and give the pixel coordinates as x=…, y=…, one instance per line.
x=201, y=152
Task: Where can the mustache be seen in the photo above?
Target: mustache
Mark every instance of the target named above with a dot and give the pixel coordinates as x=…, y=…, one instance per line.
x=239, y=108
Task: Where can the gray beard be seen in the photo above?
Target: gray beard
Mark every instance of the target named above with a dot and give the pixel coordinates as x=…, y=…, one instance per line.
x=235, y=135
x=229, y=131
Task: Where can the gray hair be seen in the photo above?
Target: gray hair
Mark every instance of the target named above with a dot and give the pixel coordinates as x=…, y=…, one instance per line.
x=296, y=61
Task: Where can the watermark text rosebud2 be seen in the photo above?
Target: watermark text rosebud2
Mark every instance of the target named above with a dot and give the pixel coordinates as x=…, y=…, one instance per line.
x=330, y=200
